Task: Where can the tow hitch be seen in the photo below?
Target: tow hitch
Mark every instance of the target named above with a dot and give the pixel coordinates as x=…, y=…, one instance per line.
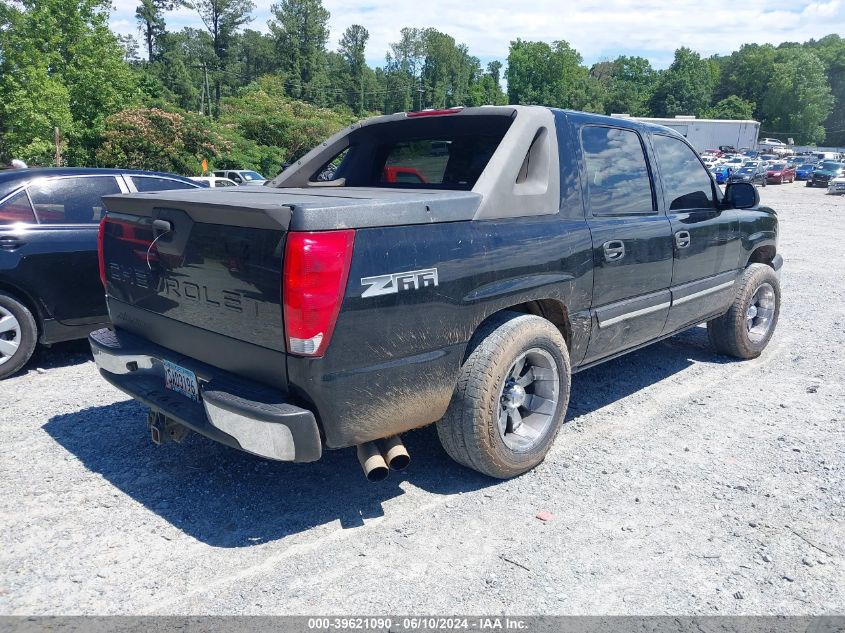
x=164, y=429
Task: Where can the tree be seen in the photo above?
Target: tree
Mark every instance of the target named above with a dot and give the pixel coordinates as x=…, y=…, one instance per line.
x=150, y=138
x=255, y=54
x=798, y=98
x=130, y=49
x=71, y=77
x=683, y=88
x=300, y=29
x=552, y=75
x=746, y=73
x=150, y=17
x=353, y=47
x=732, y=107
x=629, y=83
x=831, y=50
x=222, y=19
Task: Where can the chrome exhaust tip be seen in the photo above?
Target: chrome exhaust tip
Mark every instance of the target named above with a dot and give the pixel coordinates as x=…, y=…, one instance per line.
x=395, y=453
x=371, y=460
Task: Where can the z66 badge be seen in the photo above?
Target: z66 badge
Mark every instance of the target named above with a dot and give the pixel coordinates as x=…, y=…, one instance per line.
x=399, y=282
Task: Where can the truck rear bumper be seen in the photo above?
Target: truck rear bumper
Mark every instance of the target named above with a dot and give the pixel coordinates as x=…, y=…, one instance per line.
x=241, y=414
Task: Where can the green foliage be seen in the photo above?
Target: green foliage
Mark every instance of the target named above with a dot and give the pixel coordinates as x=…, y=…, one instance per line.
x=59, y=66
x=798, y=98
x=300, y=29
x=264, y=115
x=683, y=88
x=732, y=107
x=628, y=84
x=150, y=138
x=552, y=75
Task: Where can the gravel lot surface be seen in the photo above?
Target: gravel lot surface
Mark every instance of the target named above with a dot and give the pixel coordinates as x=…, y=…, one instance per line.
x=683, y=483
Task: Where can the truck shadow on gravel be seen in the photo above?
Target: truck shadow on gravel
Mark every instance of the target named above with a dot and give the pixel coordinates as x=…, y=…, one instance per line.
x=227, y=498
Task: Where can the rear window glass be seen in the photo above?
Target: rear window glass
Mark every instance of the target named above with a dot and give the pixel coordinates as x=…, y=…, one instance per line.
x=16, y=209
x=74, y=200
x=438, y=152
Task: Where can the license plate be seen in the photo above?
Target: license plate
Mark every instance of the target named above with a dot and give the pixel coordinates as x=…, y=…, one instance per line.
x=181, y=380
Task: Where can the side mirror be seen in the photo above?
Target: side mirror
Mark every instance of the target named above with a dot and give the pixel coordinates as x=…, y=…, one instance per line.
x=741, y=195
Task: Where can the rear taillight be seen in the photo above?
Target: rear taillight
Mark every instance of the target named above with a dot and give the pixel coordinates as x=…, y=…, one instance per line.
x=102, y=260
x=316, y=268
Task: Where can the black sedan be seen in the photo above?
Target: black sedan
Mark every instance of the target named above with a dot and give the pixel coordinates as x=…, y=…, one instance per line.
x=754, y=175
x=50, y=289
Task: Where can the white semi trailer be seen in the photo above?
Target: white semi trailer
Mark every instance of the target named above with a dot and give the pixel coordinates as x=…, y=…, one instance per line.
x=710, y=133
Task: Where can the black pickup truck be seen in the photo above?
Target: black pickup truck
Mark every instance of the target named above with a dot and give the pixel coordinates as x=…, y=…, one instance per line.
x=451, y=267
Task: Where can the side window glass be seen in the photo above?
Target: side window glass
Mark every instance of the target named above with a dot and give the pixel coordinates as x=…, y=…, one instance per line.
x=686, y=184
x=149, y=183
x=618, y=182
x=329, y=171
x=71, y=200
x=16, y=209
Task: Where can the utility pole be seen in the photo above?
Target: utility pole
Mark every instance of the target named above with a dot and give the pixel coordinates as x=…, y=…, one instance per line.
x=57, y=138
x=207, y=91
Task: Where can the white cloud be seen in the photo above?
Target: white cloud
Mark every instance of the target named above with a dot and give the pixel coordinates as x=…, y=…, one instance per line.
x=598, y=29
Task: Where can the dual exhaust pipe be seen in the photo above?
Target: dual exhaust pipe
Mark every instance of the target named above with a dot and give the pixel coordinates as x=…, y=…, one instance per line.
x=379, y=457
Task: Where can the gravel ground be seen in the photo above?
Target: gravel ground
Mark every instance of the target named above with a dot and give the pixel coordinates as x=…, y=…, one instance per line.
x=683, y=483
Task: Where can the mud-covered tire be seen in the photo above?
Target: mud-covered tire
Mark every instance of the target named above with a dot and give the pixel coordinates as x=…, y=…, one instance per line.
x=734, y=333
x=470, y=430
x=18, y=335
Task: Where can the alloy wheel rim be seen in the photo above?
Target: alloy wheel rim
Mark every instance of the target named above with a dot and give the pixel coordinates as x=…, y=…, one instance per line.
x=10, y=335
x=760, y=313
x=528, y=399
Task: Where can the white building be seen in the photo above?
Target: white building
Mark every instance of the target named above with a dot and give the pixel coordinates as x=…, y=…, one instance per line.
x=709, y=133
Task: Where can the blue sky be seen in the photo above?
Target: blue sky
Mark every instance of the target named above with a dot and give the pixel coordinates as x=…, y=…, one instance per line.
x=597, y=29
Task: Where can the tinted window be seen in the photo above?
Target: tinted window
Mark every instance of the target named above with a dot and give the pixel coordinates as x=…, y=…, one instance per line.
x=686, y=184
x=457, y=161
x=225, y=183
x=617, y=175
x=403, y=176
x=149, y=183
x=16, y=209
x=71, y=200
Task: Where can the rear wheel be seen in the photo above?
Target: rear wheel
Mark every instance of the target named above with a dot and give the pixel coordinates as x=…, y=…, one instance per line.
x=747, y=327
x=18, y=335
x=511, y=397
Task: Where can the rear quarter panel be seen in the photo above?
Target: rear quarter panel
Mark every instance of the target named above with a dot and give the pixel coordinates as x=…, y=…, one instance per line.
x=394, y=359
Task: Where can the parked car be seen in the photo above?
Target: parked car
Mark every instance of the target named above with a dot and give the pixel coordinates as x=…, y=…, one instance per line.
x=214, y=181
x=409, y=175
x=350, y=313
x=805, y=171
x=49, y=286
x=735, y=162
x=754, y=175
x=825, y=172
x=836, y=185
x=241, y=176
x=721, y=174
x=779, y=173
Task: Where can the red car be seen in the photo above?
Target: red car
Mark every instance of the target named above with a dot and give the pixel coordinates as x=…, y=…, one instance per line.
x=403, y=174
x=712, y=152
x=779, y=173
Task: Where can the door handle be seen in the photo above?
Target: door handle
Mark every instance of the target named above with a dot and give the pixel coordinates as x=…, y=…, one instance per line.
x=9, y=243
x=614, y=250
x=682, y=239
